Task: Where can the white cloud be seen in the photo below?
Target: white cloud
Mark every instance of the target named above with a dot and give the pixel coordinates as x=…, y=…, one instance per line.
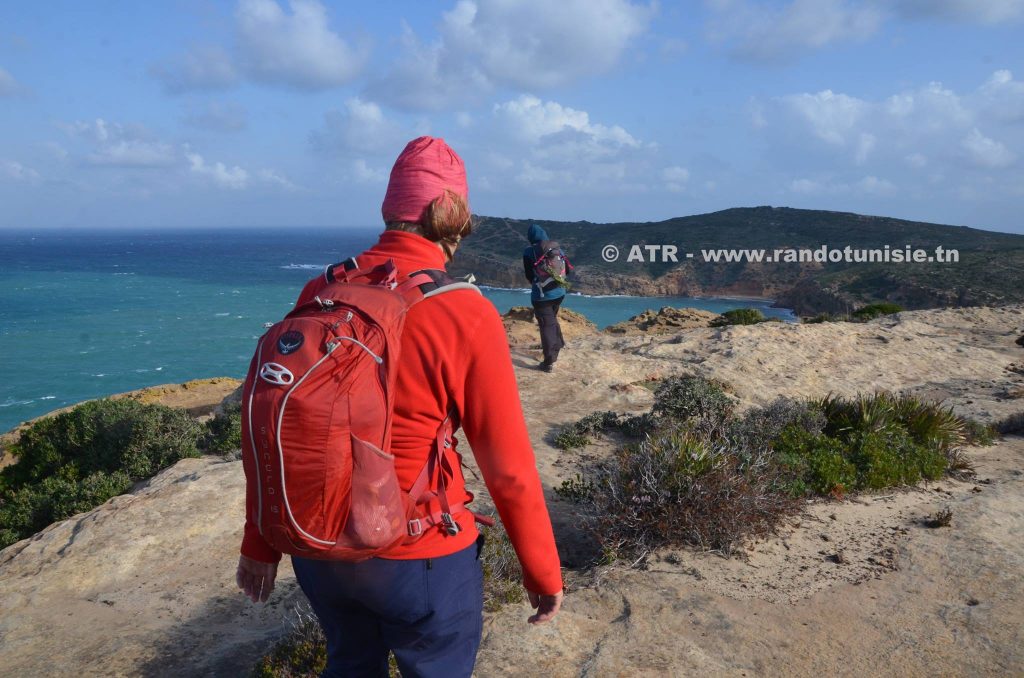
x=536, y=43
x=1002, y=97
x=981, y=11
x=277, y=179
x=805, y=186
x=869, y=185
x=205, y=67
x=986, y=152
x=675, y=178
x=865, y=144
x=532, y=120
x=294, y=48
x=875, y=186
x=8, y=85
x=134, y=153
x=364, y=174
x=831, y=117
x=763, y=31
x=553, y=150
x=297, y=49
x=218, y=116
x=917, y=127
x=360, y=126
x=55, y=150
x=11, y=169
x=917, y=160
x=121, y=145
x=234, y=178
x=530, y=44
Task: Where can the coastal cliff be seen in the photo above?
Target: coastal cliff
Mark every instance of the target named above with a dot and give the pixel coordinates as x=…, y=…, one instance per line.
x=990, y=269
x=143, y=584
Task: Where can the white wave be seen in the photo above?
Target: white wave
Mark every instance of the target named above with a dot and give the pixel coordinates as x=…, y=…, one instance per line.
x=47, y=397
x=522, y=290
x=15, y=403
x=221, y=315
x=304, y=267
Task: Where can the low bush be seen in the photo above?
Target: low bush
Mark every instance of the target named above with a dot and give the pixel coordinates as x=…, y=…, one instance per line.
x=503, y=576
x=815, y=463
x=678, y=399
x=224, y=430
x=976, y=433
x=575, y=489
x=79, y=459
x=872, y=311
x=739, y=316
x=580, y=434
x=302, y=653
x=676, y=488
x=706, y=477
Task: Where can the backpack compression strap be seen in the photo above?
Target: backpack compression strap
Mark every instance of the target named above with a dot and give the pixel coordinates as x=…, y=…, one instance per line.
x=438, y=462
x=424, y=284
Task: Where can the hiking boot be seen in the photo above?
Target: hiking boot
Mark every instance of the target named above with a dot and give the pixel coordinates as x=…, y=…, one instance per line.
x=547, y=367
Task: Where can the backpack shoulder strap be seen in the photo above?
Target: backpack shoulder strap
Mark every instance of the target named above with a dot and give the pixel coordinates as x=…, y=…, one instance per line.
x=430, y=282
x=349, y=264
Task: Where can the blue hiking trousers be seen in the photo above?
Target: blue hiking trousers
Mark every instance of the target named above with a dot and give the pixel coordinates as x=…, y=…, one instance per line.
x=429, y=612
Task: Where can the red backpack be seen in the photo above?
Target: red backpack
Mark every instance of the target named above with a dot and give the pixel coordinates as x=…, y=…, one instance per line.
x=316, y=421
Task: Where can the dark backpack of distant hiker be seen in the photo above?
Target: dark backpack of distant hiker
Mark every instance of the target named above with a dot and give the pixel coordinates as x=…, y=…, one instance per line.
x=316, y=421
x=551, y=267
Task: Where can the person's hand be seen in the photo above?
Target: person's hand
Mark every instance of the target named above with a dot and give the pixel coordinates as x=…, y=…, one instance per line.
x=547, y=606
x=256, y=579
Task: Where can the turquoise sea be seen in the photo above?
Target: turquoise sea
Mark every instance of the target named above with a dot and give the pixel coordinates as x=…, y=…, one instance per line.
x=85, y=314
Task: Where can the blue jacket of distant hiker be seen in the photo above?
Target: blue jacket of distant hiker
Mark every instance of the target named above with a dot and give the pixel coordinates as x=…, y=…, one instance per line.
x=530, y=254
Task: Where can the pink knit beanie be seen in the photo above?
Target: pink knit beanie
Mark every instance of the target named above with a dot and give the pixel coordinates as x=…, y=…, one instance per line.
x=422, y=172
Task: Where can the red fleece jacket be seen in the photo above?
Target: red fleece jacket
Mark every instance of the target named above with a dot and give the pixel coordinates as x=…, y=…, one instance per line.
x=455, y=354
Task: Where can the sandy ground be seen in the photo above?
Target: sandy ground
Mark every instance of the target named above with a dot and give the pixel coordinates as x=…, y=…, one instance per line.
x=143, y=585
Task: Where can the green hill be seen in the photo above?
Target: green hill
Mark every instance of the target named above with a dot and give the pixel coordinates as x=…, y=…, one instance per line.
x=990, y=269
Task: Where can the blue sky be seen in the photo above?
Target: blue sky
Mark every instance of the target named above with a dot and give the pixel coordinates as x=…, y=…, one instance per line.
x=289, y=113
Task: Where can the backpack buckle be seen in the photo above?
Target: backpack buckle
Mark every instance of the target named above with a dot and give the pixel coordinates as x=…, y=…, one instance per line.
x=415, y=527
x=450, y=526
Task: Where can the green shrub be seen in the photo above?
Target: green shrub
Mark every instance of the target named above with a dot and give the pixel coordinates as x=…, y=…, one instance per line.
x=822, y=318
x=301, y=653
x=79, y=459
x=575, y=489
x=761, y=426
x=815, y=463
x=638, y=425
x=872, y=311
x=503, y=576
x=676, y=488
x=739, y=316
x=224, y=430
x=976, y=433
x=580, y=433
x=678, y=399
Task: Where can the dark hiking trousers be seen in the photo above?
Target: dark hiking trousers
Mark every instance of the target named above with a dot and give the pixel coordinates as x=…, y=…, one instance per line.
x=429, y=612
x=551, y=340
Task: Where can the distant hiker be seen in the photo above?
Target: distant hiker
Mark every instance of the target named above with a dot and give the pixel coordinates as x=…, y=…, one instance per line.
x=384, y=546
x=546, y=268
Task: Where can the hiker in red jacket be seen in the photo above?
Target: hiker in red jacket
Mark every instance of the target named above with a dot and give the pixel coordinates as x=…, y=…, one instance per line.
x=423, y=600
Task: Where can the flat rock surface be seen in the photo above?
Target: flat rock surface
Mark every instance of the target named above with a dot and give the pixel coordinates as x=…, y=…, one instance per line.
x=143, y=585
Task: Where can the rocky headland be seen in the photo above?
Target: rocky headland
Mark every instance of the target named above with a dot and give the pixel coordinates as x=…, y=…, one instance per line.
x=143, y=585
